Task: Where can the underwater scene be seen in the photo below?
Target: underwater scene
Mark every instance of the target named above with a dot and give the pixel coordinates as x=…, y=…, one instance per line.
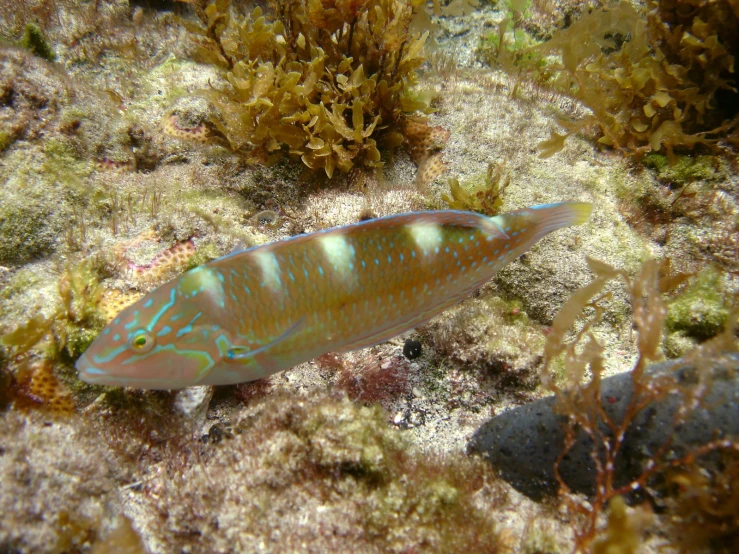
x=369, y=276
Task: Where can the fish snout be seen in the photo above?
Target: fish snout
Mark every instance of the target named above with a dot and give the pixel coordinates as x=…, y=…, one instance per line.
x=87, y=371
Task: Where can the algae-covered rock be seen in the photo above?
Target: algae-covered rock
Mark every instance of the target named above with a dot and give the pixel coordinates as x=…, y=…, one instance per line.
x=702, y=310
x=524, y=443
x=686, y=169
x=56, y=489
x=24, y=230
x=318, y=472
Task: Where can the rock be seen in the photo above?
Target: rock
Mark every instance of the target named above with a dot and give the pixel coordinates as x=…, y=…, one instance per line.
x=524, y=443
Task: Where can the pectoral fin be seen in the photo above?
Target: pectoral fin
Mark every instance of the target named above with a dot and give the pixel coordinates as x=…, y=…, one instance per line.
x=265, y=356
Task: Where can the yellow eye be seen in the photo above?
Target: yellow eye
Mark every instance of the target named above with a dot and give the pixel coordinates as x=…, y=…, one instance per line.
x=142, y=342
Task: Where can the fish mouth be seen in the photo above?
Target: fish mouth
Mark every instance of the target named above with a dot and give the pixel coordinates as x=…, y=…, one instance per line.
x=92, y=375
x=87, y=372
x=93, y=378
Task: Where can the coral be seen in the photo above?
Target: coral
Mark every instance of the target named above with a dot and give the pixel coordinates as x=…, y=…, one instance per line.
x=38, y=387
x=485, y=197
x=320, y=80
x=33, y=385
x=199, y=132
x=113, y=301
x=651, y=85
x=106, y=164
x=422, y=139
x=165, y=264
x=429, y=169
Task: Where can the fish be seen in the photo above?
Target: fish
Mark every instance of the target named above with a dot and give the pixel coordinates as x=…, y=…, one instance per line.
x=255, y=312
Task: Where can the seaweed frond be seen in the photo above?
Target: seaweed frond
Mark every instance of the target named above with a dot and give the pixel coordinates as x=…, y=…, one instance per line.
x=486, y=197
x=322, y=80
x=579, y=397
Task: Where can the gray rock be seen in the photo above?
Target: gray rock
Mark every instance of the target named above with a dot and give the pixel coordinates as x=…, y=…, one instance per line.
x=524, y=443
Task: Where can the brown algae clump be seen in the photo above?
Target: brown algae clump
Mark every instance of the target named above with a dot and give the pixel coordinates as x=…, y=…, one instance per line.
x=650, y=82
x=322, y=80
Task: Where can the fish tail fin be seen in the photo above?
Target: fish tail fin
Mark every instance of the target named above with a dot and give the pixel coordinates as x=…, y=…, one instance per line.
x=550, y=217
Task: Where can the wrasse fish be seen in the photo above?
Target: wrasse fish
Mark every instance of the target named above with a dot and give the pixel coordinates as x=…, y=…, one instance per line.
x=255, y=312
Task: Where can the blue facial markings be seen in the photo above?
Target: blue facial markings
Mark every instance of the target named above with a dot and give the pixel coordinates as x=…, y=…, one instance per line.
x=110, y=355
x=155, y=320
x=134, y=322
x=94, y=371
x=171, y=348
x=188, y=328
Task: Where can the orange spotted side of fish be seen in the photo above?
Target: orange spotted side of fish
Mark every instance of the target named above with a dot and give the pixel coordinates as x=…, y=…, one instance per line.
x=255, y=312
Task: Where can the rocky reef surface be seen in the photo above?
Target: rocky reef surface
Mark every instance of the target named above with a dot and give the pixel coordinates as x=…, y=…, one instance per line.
x=139, y=140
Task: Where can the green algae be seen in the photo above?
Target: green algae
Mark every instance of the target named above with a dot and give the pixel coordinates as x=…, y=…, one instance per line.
x=23, y=231
x=62, y=168
x=6, y=140
x=40, y=195
x=702, y=310
x=685, y=169
x=34, y=39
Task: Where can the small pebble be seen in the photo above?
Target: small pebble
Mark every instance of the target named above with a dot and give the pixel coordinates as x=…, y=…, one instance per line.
x=412, y=349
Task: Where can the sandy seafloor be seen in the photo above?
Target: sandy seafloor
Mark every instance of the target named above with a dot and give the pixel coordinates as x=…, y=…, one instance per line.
x=285, y=466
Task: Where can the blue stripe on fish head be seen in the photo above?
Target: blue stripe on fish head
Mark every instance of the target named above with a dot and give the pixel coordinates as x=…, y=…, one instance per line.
x=166, y=338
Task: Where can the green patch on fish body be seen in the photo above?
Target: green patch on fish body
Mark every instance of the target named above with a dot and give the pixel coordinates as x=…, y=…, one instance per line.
x=255, y=312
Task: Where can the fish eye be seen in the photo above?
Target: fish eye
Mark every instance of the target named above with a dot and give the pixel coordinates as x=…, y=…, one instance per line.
x=142, y=342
